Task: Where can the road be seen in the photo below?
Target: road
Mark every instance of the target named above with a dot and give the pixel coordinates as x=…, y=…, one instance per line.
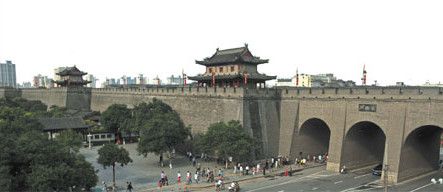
x=318, y=179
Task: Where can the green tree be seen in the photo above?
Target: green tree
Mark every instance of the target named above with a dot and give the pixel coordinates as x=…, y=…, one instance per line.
x=227, y=140
x=71, y=139
x=161, y=131
x=29, y=161
x=115, y=117
x=110, y=155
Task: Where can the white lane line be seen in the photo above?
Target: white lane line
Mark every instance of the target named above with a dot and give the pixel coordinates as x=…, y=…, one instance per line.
x=284, y=183
x=360, y=176
x=421, y=187
x=353, y=188
x=338, y=182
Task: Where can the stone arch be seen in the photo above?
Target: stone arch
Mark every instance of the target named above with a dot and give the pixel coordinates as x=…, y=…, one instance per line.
x=420, y=152
x=312, y=139
x=364, y=145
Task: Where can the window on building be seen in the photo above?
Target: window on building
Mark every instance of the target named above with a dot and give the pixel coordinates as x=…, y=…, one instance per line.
x=232, y=68
x=103, y=136
x=210, y=70
x=221, y=69
x=96, y=136
x=109, y=135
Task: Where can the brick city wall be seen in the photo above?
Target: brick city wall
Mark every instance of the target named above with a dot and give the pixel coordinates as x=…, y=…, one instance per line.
x=276, y=115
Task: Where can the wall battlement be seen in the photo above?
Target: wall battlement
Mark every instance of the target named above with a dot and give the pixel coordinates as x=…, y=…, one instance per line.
x=376, y=93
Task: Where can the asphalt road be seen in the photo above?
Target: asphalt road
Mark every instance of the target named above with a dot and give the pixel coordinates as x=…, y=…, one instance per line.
x=318, y=179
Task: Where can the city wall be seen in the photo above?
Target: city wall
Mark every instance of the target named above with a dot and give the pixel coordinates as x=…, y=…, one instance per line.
x=276, y=117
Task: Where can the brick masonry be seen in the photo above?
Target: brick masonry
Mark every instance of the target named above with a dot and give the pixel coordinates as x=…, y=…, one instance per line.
x=276, y=116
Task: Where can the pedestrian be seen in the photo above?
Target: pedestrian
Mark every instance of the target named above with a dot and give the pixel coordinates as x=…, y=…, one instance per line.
x=258, y=168
x=290, y=171
x=178, y=177
x=170, y=165
x=264, y=171
x=253, y=170
x=235, y=168
x=105, y=187
x=166, y=180
x=222, y=173
x=127, y=186
x=160, y=184
x=247, y=169
x=162, y=177
x=241, y=170
x=266, y=165
x=193, y=161
x=196, y=178
x=130, y=187
x=188, y=177
x=286, y=172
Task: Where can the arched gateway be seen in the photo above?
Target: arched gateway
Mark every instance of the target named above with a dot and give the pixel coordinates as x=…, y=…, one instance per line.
x=312, y=139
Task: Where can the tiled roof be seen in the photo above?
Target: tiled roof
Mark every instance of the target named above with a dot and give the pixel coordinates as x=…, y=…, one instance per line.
x=71, y=71
x=230, y=77
x=63, y=123
x=235, y=55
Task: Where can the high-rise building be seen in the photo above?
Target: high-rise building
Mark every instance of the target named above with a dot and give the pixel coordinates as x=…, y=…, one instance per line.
x=92, y=79
x=7, y=74
x=175, y=80
x=42, y=81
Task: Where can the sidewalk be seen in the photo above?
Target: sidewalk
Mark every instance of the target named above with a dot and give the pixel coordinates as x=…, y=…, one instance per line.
x=230, y=177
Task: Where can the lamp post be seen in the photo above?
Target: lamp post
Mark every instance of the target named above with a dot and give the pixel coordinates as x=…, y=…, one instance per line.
x=89, y=138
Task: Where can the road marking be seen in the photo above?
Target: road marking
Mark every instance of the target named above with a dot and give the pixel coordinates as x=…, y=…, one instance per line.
x=362, y=176
x=338, y=182
x=284, y=183
x=315, y=188
x=421, y=187
x=352, y=189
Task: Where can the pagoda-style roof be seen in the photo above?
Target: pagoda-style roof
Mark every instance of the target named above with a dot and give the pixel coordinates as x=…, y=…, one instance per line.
x=235, y=55
x=74, y=71
x=52, y=124
x=231, y=77
x=72, y=82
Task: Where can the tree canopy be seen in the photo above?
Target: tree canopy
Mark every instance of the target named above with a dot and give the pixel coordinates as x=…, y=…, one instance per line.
x=227, y=140
x=29, y=161
x=110, y=155
x=115, y=117
x=161, y=128
x=71, y=139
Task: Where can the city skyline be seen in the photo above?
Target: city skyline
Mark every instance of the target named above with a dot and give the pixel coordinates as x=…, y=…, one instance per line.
x=397, y=41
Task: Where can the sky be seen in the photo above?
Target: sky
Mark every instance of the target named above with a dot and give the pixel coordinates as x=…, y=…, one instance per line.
x=397, y=41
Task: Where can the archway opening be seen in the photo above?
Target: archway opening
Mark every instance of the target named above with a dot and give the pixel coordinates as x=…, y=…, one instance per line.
x=312, y=139
x=420, y=153
x=364, y=146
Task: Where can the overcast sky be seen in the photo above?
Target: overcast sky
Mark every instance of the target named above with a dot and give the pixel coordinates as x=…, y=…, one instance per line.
x=397, y=40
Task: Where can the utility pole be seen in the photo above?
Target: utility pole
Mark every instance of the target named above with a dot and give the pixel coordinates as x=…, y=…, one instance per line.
x=385, y=178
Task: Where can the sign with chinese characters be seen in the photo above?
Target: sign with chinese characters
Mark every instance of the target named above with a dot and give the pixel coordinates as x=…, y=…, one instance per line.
x=367, y=107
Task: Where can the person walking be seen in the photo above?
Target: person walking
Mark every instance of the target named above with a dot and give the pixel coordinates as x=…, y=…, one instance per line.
x=290, y=171
x=162, y=177
x=178, y=177
x=253, y=170
x=235, y=168
x=247, y=169
x=241, y=170
x=188, y=177
x=196, y=178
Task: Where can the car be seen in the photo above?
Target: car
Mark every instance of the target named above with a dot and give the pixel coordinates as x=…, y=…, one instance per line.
x=377, y=170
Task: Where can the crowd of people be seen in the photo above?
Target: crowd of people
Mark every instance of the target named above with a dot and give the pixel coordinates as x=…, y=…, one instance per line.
x=217, y=175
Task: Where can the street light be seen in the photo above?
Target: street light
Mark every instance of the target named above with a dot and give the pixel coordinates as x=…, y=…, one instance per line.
x=89, y=138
